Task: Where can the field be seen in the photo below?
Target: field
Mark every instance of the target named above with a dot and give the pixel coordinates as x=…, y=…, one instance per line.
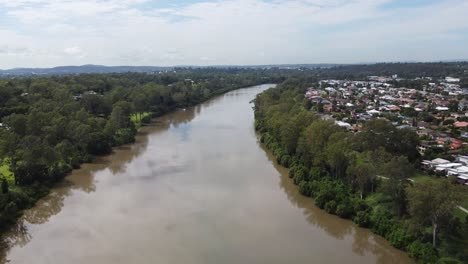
x=136, y=118
x=6, y=172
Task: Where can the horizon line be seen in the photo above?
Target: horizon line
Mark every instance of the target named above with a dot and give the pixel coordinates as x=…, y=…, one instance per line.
x=237, y=65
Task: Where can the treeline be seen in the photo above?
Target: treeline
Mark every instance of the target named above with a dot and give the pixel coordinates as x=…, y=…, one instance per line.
x=363, y=176
x=403, y=70
x=51, y=125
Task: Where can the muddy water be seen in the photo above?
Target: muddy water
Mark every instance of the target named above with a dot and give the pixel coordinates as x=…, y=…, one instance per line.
x=197, y=187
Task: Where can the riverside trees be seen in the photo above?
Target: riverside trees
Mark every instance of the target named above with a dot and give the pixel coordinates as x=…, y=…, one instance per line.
x=362, y=176
x=433, y=202
x=53, y=124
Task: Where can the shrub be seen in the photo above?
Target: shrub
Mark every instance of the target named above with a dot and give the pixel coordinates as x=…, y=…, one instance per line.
x=292, y=171
x=285, y=160
x=262, y=137
x=399, y=238
x=323, y=196
x=448, y=260
x=317, y=173
x=423, y=252
x=278, y=152
x=382, y=223
x=146, y=119
x=5, y=187
x=98, y=144
x=330, y=207
x=59, y=170
x=124, y=136
x=343, y=210
x=299, y=174
x=21, y=199
x=305, y=188
x=362, y=219
x=11, y=209
x=360, y=205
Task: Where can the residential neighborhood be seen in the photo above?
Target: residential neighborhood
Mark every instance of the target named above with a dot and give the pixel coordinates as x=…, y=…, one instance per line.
x=436, y=109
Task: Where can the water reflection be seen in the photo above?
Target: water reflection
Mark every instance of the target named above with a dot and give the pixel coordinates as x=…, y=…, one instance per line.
x=83, y=179
x=194, y=188
x=363, y=241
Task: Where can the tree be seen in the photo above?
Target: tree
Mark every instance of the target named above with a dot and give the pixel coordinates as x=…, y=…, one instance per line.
x=362, y=172
x=395, y=173
x=336, y=153
x=292, y=128
x=314, y=140
x=432, y=202
x=140, y=103
x=17, y=123
x=5, y=188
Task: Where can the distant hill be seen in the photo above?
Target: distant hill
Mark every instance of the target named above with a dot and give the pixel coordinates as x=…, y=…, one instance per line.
x=62, y=70
x=81, y=69
x=361, y=68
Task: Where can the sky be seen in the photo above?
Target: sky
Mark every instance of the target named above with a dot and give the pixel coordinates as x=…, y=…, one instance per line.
x=47, y=33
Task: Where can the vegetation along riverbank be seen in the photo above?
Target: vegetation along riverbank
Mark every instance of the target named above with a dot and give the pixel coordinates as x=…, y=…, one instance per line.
x=51, y=125
x=363, y=176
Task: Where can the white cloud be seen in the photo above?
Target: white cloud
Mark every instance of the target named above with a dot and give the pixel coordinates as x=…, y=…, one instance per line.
x=74, y=51
x=132, y=32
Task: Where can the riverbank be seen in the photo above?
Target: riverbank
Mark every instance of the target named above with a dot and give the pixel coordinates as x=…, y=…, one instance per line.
x=338, y=170
x=196, y=187
x=18, y=197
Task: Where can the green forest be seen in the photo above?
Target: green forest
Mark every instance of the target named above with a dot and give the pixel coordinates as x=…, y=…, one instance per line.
x=363, y=176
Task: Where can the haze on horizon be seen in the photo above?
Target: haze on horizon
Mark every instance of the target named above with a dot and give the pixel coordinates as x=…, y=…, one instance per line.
x=46, y=33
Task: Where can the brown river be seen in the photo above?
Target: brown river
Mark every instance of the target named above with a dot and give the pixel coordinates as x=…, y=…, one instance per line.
x=196, y=187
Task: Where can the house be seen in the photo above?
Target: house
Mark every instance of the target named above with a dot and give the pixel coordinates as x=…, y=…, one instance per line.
x=327, y=108
x=394, y=108
x=344, y=125
x=406, y=127
x=431, y=164
x=423, y=132
x=91, y=92
x=442, y=108
x=452, y=80
x=451, y=169
x=462, y=179
x=462, y=158
x=460, y=124
x=462, y=105
x=456, y=143
x=455, y=170
x=422, y=125
x=425, y=145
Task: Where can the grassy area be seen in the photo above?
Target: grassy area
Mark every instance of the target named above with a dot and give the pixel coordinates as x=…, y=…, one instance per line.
x=136, y=118
x=6, y=172
x=460, y=214
x=465, y=202
x=376, y=200
x=422, y=177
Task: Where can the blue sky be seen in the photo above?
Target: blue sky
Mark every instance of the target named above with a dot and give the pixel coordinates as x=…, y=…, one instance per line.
x=45, y=33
